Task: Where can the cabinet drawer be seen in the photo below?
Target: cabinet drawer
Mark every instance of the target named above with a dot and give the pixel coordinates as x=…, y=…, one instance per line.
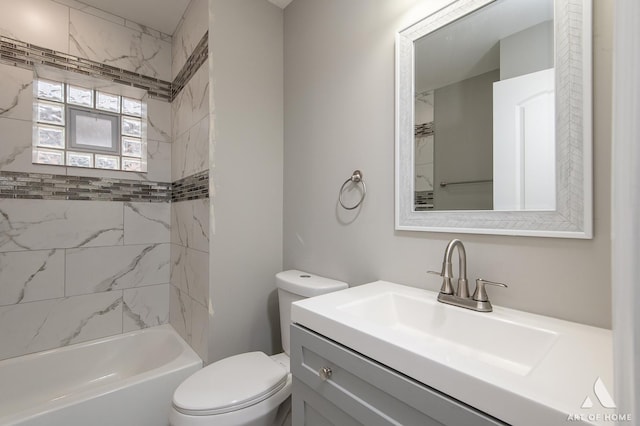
x=369, y=392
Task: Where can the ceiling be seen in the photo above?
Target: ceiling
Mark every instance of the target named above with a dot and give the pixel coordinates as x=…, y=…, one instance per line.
x=281, y=3
x=161, y=15
x=470, y=46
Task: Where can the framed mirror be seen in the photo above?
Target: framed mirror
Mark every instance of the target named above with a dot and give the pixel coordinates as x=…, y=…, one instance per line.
x=493, y=119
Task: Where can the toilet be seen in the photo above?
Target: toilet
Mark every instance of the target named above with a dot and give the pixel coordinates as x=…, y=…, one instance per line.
x=250, y=389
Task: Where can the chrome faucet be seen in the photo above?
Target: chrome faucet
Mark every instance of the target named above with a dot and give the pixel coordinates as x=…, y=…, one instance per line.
x=480, y=300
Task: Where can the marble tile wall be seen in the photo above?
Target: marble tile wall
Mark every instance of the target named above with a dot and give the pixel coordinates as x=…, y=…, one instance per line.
x=72, y=271
x=189, y=306
x=41, y=22
x=190, y=127
x=77, y=270
x=29, y=56
x=193, y=64
x=94, y=35
x=192, y=27
x=189, y=298
x=16, y=130
x=70, y=27
x=127, y=48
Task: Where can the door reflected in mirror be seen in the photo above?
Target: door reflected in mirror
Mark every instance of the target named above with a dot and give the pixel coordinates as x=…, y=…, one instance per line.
x=484, y=112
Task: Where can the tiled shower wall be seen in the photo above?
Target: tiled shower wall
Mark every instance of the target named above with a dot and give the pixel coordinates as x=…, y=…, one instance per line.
x=189, y=298
x=79, y=270
x=72, y=271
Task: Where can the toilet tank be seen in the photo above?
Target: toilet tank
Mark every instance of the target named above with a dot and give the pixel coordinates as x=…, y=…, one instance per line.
x=296, y=285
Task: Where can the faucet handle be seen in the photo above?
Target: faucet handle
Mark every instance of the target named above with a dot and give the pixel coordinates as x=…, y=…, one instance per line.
x=480, y=295
x=446, y=287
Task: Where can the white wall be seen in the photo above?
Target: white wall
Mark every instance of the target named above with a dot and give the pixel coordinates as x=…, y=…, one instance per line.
x=339, y=109
x=626, y=204
x=245, y=53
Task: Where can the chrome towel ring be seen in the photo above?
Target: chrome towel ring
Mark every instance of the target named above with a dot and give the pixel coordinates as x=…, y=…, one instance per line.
x=356, y=177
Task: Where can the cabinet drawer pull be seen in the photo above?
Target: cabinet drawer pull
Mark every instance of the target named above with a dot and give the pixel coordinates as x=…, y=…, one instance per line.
x=325, y=373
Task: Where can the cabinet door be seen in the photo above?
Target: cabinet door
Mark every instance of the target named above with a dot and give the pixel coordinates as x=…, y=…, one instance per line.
x=362, y=391
x=311, y=409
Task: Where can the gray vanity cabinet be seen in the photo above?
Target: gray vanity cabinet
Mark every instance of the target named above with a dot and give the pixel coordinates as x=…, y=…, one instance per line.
x=355, y=390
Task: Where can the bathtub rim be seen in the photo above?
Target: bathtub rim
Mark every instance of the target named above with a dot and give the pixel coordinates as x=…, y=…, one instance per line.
x=187, y=359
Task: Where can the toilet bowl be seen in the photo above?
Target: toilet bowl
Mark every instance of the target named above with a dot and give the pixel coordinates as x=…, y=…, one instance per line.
x=249, y=389
x=245, y=389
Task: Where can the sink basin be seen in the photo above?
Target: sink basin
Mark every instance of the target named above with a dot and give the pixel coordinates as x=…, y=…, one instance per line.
x=541, y=366
x=482, y=337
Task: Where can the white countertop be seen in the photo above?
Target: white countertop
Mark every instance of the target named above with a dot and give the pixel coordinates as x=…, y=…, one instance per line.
x=542, y=379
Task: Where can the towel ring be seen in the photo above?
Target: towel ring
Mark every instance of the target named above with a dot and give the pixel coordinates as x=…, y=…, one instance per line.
x=356, y=177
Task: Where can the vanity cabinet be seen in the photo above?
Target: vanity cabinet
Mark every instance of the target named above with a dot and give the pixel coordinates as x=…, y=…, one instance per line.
x=333, y=385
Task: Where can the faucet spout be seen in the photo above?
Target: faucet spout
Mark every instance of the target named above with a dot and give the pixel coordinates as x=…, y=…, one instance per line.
x=480, y=301
x=463, y=286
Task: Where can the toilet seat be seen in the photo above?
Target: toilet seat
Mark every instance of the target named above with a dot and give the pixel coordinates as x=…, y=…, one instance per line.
x=230, y=384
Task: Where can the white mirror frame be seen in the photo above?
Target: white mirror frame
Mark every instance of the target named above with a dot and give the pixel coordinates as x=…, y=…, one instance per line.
x=573, y=216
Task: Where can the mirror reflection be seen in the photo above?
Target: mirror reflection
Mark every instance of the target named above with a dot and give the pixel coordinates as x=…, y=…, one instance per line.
x=484, y=111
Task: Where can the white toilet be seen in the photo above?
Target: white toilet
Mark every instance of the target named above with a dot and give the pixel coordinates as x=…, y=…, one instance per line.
x=250, y=389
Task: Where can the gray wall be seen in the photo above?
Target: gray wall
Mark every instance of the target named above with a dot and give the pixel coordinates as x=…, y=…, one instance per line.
x=246, y=142
x=463, y=146
x=527, y=51
x=339, y=108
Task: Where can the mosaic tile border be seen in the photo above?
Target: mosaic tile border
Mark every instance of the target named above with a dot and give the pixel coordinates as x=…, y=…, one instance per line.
x=192, y=187
x=27, y=55
x=425, y=129
x=196, y=59
x=20, y=185
x=40, y=186
x=424, y=200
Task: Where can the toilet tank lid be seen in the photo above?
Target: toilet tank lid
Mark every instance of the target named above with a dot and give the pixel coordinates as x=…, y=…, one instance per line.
x=307, y=285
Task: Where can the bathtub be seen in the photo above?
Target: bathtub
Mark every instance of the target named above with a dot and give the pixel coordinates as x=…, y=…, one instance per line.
x=124, y=380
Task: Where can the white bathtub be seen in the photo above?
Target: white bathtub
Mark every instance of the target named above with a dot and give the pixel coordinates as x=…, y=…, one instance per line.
x=125, y=380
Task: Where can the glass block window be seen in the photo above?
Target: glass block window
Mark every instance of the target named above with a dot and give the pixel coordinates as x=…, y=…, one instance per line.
x=76, y=126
